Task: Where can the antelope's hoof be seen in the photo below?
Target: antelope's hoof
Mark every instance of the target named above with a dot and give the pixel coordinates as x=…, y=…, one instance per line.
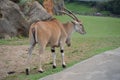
x=27, y=71
x=11, y=72
x=54, y=66
x=64, y=66
x=40, y=71
x=68, y=45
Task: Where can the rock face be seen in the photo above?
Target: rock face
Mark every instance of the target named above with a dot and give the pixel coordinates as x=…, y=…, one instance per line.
x=13, y=22
x=37, y=12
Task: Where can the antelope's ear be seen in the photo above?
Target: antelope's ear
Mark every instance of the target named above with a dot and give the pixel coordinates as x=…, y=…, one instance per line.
x=74, y=22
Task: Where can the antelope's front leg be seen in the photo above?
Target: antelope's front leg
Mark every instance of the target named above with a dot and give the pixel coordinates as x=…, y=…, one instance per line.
x=68, y=42
x=63, y=60
x=54, y=57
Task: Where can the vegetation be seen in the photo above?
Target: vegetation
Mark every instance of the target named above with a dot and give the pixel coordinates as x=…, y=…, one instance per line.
x=113, y=6
x=109, y=7
x=102, y=34
x=106, y=7
x=81, y=8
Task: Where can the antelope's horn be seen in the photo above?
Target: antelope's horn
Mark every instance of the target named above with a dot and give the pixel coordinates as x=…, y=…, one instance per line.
x=71, y=13
x=67, y=14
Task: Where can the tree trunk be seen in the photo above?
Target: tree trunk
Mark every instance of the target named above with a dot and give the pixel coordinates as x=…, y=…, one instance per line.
x=58, y=5
x=48, y=5
x=53, y=6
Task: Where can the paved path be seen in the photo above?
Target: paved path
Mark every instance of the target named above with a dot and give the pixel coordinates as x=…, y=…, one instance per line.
x=105, y=66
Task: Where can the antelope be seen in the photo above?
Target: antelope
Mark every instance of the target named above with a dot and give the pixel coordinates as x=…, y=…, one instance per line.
x=75, y=25
x=54, y=34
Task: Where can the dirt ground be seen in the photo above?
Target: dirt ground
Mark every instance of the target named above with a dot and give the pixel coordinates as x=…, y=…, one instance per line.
x=13, y=59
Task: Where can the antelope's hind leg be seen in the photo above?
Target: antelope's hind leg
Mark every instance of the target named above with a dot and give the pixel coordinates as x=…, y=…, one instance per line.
x=32, y=45
x=63, y=60
x=41, y=51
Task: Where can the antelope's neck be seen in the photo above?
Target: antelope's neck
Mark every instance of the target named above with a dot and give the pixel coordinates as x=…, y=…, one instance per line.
x=69, y=28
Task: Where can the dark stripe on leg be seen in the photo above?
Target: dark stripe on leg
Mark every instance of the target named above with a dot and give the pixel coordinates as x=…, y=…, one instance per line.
x=52, y=50
x=62, y=51
x=27, y=71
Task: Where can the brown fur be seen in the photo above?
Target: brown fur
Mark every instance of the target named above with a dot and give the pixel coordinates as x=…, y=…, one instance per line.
x=54, y=34
x=69, y=27
x=48, y=32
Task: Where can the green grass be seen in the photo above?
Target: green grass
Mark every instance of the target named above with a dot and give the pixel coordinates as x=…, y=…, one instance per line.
x=81, y=8
x=85, y=9
x=103, y=33
x=99, y=26
x=14, y=41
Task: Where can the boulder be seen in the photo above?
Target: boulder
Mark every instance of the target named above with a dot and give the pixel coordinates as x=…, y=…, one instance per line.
x=37, y=13
x=12, y=20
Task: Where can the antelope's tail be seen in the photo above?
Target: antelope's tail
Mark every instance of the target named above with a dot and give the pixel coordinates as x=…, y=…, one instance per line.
x=34, y=33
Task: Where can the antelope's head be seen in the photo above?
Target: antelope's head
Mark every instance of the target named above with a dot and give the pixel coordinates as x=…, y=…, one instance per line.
x=78, y=26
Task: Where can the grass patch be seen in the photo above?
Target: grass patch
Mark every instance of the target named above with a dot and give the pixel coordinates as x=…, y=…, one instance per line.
x=103, y=33
x=81, y=8
x=14, y=41
x=86, y=9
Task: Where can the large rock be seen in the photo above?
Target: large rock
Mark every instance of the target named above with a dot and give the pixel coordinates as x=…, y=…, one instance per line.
x=12, y=20
x=37, y=12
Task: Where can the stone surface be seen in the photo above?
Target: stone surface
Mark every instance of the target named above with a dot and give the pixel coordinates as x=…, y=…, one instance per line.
x=37, y=12
x=105, y=66
x=12, y=20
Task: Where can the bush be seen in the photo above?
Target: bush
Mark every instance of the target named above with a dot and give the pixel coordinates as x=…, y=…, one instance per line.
x=113, y=6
